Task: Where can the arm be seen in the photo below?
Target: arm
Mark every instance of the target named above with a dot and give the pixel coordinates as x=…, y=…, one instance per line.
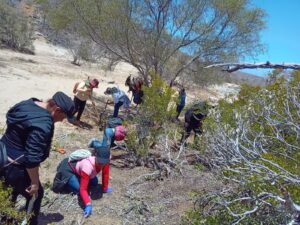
x=84, y=183
x=34, y=177
x=81, y=87
x=36, y=151
x=105, y=177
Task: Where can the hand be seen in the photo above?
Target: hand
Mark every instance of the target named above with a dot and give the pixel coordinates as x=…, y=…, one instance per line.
x=108, y=190
x=88, y=210
x=33, y=189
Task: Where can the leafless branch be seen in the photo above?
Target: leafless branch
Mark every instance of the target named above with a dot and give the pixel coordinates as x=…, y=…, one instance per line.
x=232, y=67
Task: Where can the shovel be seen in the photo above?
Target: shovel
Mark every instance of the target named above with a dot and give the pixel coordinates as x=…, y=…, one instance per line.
x=29, y=210
x=101, y=125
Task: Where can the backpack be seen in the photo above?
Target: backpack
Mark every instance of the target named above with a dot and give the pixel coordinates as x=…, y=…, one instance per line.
x=79, y=155
x=199, y=111
x=201, y=108
x=113, y=122
x=75, y=87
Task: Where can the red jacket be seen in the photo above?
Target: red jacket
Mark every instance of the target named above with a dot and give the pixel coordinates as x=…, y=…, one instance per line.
x=85, y=178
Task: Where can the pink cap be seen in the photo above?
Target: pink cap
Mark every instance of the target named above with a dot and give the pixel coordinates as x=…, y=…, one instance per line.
x=94, y=83
x=120, y=133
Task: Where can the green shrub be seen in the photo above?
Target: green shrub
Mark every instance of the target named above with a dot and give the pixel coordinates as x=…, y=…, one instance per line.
x=254, y=142
x=155, y=115
x=8, y=213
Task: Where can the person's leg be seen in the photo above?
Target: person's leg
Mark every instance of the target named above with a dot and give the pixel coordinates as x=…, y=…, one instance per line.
x=198, y=132
x=74, y=184
x=178, y=110
x=76, y=105
x=185, y=134
x=116, y=109
x=80, y=110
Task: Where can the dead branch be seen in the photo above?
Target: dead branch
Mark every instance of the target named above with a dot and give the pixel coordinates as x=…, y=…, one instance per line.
x=232, y=67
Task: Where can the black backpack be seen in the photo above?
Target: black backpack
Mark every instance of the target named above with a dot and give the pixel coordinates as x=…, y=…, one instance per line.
x=197, y=112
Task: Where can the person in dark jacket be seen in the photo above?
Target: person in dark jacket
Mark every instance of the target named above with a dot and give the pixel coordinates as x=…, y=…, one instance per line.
x=193, y=120
x=30, y=127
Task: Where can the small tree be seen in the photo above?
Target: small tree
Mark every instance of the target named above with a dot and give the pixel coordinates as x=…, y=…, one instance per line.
x=152, y=35
x=15, y=29
x=156, y=111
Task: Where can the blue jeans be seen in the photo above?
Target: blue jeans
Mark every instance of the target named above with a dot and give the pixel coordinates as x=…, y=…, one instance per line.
x=108, y=137
x=74, y=183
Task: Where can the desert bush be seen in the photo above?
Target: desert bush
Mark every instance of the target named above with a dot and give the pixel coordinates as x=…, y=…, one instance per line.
x=155, y=113
x=15, y=29
x=254, y=143
x=8, y=213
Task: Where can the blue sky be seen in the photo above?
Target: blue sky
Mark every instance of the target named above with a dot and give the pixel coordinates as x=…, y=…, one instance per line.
x=282, y=34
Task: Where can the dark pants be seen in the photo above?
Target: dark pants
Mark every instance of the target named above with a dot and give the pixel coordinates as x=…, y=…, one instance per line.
x=79, y=107
x=17, y=177
x=187, y=132
x=116, y=109
x=178, y=110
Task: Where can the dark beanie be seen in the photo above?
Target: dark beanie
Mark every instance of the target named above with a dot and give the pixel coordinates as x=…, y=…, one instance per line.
x=64, y=102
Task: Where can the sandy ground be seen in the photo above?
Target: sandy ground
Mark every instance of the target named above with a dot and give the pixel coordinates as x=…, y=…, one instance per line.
x=49, y=70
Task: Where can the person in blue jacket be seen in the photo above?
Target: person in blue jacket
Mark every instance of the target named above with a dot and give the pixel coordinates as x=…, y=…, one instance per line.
x=30, y=127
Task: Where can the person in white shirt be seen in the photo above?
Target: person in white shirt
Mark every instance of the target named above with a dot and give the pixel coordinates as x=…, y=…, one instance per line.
x=82, y=92
x=119, y=99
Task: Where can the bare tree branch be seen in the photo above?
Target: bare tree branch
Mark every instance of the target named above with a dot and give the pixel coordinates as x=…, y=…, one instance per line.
x=232, y=67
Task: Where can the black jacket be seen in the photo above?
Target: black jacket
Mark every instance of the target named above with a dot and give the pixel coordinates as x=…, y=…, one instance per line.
x=29, y=131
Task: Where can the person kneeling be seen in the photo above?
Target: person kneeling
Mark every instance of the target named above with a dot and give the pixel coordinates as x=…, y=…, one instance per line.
x=79, y=174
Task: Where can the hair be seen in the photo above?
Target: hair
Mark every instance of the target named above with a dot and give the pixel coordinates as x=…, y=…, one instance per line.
x=51, y=105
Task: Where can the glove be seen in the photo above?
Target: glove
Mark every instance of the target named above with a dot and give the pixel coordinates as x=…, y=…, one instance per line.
x=108, y=190
x=88, y=210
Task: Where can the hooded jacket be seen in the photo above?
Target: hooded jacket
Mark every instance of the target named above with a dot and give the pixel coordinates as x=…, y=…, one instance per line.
x=29, y=132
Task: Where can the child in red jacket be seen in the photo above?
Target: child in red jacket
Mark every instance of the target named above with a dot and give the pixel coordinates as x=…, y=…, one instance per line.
x=85, y=174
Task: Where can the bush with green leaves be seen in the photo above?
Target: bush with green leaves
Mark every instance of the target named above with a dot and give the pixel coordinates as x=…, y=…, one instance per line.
x=8, y=213
x=155, y=114
x=254, y=143
x=15, y=29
